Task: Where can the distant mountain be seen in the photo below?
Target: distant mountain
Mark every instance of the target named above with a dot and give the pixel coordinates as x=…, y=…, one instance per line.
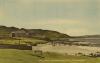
x=93, y=36
x=35, y=33
x=88, y=36
x=47, y=34
x=7, y=30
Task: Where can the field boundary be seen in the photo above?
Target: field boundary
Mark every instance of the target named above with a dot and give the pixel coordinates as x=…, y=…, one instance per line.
x=20, y=47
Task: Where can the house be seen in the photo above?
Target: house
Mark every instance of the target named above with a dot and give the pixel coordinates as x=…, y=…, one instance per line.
x=19, y=33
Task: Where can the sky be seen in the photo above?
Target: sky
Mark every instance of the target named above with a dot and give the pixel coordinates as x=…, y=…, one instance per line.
x=73, y=17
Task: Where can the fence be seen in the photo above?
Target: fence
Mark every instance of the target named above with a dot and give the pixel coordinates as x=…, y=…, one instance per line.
x=20, y=47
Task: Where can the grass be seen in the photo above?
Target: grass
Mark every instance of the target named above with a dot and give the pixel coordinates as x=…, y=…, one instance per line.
x=64, y=58
x=26, y=56
x=16, y=56
x=22, y=41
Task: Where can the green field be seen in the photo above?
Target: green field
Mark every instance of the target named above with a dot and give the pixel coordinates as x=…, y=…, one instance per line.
x=16, y=41
x=28, y=56
x=25, y=56
x=16, y=56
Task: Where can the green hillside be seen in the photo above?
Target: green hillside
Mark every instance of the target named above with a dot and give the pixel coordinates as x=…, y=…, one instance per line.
x=34, y=33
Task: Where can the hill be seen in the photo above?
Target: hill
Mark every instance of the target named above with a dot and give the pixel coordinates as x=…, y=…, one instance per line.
x=34, y=33
x=87, y=36
x=91, y=36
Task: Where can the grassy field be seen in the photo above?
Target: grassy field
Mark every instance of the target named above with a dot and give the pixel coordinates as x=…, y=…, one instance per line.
x=25, y=56
x=28, y=56
x=22, y=41
x=16, y=56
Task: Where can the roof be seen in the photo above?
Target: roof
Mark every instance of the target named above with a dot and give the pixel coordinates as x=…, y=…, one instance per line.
x=19, y=31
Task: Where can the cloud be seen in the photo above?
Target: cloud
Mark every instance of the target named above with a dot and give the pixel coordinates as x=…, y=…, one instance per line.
x=77, y=31
x=68, y=26
x=58, y=22
x=58, y=0
x=71, y=27
x=25, y=2
x=3, y=14
x=75, y=17
x=28, y=2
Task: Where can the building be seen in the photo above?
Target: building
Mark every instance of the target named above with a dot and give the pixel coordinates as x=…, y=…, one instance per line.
x=19, y=33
